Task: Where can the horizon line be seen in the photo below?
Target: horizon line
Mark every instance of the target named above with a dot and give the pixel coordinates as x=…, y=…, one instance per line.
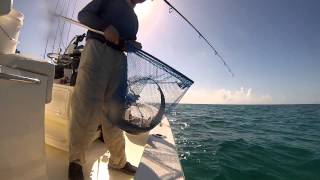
x=251, y=104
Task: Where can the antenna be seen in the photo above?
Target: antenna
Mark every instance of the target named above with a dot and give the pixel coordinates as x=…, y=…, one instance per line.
x=201, y=36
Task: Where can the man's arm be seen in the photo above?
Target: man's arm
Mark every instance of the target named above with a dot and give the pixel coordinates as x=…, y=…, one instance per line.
x=89, y=15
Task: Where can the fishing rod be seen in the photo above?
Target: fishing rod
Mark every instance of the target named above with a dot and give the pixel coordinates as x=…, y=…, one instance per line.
x=201, y=36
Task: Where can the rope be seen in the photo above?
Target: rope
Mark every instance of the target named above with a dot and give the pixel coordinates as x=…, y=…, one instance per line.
x=74, y=8
x=45, y=50
x=56, y=35
x=64, y=23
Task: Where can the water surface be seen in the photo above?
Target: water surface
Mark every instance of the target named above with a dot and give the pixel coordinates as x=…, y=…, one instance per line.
x=248, y=142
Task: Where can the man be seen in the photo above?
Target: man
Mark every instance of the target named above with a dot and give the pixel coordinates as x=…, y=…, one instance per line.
x=101, y=82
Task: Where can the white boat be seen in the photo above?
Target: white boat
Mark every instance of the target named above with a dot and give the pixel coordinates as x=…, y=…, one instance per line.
x=34, y=117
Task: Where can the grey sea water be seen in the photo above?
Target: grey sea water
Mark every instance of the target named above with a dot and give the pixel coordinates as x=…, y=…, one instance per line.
x=248, y=142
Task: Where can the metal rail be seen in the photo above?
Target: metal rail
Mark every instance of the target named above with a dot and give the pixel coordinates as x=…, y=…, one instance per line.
x=7, y=73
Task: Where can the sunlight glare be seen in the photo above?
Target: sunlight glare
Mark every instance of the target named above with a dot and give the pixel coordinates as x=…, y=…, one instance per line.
x=144, y=10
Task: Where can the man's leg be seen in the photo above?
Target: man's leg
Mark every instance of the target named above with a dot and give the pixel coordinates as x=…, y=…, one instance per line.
x=115, y=91
x=83, y=127
x=115, y=142
x=114, y=109
x=88, y=100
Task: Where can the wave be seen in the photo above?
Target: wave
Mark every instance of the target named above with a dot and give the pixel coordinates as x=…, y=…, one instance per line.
x=248, y=142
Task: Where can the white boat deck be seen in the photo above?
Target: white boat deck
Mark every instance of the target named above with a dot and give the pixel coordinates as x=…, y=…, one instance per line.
x=159, y=158
x=97, y=160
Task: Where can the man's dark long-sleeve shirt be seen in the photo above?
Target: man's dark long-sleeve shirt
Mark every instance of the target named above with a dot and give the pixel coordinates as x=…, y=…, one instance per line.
x=99, y=14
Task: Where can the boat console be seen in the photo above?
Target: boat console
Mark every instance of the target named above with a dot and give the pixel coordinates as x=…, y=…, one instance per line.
x=25, y=88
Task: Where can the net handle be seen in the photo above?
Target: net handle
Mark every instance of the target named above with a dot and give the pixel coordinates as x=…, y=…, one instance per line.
x=136, y=50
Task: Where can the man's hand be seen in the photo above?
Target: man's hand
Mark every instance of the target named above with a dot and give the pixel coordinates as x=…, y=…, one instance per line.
x=111, y=34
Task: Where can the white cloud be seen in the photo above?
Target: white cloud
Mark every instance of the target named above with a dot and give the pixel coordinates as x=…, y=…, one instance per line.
x=225, y=96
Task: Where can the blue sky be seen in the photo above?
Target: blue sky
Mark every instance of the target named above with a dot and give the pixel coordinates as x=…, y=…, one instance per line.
x=272, y=46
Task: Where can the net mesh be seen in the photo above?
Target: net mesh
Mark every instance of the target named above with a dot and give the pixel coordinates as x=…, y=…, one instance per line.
x=154, y=88
x=146, y=73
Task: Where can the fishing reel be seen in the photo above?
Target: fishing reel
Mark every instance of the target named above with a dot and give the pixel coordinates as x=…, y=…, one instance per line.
x=69, y=60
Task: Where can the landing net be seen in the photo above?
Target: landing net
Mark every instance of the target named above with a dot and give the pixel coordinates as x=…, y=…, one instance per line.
x=154, y=88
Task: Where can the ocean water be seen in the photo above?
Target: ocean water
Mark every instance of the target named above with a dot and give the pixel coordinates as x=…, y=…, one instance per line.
x=248, y=142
